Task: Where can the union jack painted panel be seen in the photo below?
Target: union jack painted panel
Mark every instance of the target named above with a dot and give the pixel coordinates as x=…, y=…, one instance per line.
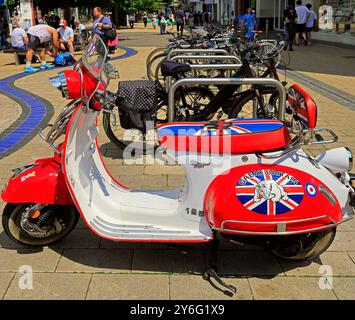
x=269, y=192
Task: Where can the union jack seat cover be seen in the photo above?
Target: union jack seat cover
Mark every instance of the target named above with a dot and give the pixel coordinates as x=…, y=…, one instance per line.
x=231, y=136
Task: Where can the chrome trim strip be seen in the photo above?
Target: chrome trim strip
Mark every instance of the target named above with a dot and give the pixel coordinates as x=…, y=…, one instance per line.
x=146, y=236
x=280, y=230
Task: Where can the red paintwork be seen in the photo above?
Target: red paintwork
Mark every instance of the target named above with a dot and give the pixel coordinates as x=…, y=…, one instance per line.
x=303, y=105
x=45, y=184
x=221, y=203
x=74, y=84
x=227, y=144
x=89, y=82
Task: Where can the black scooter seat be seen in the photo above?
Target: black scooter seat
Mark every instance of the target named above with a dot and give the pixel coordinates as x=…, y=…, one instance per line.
x=172, y=68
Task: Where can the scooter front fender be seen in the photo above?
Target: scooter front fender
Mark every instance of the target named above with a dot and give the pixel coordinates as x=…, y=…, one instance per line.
x=42, y=183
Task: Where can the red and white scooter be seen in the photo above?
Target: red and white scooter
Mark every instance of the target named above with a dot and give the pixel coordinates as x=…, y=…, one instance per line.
x=260, y=187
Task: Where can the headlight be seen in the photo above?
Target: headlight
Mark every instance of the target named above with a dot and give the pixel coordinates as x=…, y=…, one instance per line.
x=69, y=83
x=60, y=82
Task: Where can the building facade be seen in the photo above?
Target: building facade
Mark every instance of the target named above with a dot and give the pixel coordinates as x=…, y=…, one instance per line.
x=336, y=18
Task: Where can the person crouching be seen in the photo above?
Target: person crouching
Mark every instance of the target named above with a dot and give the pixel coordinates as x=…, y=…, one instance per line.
x=66, y=39
x=38, y=37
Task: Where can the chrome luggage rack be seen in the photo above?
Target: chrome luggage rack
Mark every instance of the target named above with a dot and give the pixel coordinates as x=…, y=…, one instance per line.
x=281, y=226
x=58, y=128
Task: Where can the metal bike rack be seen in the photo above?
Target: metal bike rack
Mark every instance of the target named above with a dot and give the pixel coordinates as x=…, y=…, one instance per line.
x=198, y=57
x=229, y=66
x=226, y=81
x=197, y=51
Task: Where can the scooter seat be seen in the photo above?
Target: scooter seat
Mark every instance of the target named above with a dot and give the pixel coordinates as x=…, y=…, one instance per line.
x=237, y=136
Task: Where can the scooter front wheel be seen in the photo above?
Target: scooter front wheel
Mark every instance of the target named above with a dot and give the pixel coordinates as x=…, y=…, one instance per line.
x=302, y=247
x=38, y=225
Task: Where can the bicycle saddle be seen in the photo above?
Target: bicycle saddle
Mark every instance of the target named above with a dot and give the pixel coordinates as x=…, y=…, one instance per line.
x=172, y=68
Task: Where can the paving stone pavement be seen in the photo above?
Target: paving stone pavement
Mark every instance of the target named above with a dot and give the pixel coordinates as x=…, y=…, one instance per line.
x=83, y=266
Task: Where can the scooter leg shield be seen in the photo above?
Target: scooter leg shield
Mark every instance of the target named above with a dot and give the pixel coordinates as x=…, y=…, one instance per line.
x=39, y=182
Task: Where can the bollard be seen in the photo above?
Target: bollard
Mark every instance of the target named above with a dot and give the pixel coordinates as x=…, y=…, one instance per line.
x=267, y=28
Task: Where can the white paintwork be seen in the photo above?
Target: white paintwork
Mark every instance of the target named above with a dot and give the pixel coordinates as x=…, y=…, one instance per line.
x=118, y=213
x=335, y=159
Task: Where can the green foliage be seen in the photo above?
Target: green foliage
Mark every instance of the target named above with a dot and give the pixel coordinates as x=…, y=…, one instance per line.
x=139, y=5
x=130, y=5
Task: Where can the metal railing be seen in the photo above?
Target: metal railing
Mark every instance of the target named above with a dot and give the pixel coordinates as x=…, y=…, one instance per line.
x=226, y=81
x=197, y=51
x=203, y=67
x=229, y=59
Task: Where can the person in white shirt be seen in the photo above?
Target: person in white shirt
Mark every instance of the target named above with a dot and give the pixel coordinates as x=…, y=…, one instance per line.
x=66, y=36
x=302, y=18
x=310, y=22
x=19, y=39
x=38, y=36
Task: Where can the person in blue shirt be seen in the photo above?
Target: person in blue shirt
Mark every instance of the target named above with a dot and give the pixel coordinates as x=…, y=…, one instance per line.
x=101, y=23
x=249, y=22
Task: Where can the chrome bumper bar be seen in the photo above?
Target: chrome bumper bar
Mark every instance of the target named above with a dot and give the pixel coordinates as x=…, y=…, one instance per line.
x=281, y=227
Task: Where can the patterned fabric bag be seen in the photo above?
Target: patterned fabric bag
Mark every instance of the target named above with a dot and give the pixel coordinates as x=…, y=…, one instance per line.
x=137, y=103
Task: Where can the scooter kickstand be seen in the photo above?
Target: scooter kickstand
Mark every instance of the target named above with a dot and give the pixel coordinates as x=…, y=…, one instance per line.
x=211, y=272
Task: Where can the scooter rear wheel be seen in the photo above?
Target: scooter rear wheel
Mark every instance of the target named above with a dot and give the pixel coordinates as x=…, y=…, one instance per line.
x=57, y=221
x=302, y=247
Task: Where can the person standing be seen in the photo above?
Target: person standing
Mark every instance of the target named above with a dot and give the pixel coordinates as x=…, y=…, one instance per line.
x=101, y=23
x=145, y=20
x=249, y=23
x=206, y=18
x=38, y=37
x=171, y=20
x=4, y=31
x=310, y=22
x=195, y=19
x=290, y=17
x=66, y=39
x=19, y=39
x=200, y=19
x=163, y=23
x=302, y=18
x=180, y=20
x=154, y=20
x=132, y=20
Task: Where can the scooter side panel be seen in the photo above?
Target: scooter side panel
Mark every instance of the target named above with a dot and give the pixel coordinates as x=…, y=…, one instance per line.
x=112, y=211
x=43, y=184
x=265, y=193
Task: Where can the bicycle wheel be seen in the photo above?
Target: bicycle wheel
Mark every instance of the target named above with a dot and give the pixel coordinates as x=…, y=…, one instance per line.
x=256, y=103
x=192, y=103
x=266, y=47
x=153, y=64
x=153, y=53
x=132, y=140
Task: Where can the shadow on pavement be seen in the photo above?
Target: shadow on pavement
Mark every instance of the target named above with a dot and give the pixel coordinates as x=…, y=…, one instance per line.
x=233, y=261
x=321, y=58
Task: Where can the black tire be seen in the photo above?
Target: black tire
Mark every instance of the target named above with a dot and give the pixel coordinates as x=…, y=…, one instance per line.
x=202, y=92
x=68, y=216
x=246, y=97
x=301, y=247
x=106, y=121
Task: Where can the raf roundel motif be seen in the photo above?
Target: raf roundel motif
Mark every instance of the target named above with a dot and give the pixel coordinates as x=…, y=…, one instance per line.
x=311, y=190
x=269, y=192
